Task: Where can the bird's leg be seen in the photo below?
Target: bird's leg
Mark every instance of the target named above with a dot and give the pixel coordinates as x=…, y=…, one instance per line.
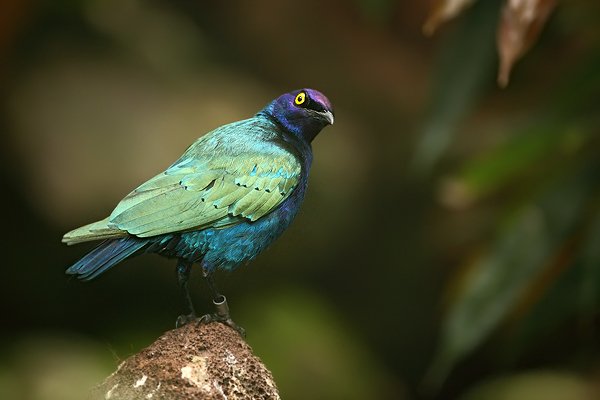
x=183, y=270
x=221, y=307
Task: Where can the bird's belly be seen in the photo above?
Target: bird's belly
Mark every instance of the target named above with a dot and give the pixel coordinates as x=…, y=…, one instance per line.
x=228, y=248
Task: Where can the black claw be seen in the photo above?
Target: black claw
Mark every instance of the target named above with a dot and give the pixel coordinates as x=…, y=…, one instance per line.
x=185, y=319
x=208, y=318
x=220, y=302
x=222, y=316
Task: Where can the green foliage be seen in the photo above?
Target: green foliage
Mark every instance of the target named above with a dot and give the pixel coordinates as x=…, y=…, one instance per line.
x=505, y=273
x=462, y=72
x=535, y=153
x=541, y=267
x=542, y=385
x=377, y=10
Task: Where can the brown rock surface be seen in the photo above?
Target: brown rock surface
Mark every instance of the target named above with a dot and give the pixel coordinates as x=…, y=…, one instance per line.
x=207, y=361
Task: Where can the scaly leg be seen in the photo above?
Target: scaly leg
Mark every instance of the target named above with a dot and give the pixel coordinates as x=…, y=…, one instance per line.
x=183, y=270
x=221, y=307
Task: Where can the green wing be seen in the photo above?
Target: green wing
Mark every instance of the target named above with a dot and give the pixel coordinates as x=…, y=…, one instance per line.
x=195, y=194
x=214, y=184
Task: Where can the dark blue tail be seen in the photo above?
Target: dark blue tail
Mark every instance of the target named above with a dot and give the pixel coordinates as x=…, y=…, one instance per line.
x=106, y=255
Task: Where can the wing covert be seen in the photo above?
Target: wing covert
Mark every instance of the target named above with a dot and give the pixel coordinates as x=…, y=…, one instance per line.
x=198, y=192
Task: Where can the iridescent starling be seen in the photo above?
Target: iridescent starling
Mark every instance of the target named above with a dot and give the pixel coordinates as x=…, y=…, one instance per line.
x=225, y=200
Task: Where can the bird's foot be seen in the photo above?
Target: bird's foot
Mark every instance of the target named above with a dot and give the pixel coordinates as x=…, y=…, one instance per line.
x=185, y=319
x=205, y=319
x=222, y=316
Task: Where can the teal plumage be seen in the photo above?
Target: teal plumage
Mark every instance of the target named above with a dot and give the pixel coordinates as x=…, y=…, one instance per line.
x=230, y=194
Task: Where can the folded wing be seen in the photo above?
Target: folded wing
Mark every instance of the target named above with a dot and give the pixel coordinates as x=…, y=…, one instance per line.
x=202, y=189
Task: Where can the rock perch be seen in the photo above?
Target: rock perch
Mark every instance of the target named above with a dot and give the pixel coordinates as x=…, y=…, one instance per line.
x=207, y=361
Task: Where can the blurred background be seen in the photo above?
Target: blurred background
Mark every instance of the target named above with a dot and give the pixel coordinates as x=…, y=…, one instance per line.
x=449, y=245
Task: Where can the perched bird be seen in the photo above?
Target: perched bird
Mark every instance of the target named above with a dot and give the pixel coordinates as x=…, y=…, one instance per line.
x=225, y=200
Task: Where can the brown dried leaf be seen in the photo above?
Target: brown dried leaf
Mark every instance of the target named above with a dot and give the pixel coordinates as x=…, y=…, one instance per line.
x=520, y=25
x=443, y=10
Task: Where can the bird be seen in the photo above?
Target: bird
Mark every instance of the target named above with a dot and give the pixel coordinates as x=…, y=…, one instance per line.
x=225, y=200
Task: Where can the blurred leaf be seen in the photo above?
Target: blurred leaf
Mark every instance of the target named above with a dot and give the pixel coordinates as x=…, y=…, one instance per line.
x=442, y=11
x=493, y=286
x=537, y=385
x=378, y=10
x=562, y=131
x=548, y=304
x=463, y=71
x=590, y=259
x=563, y=291
x=576, y=97
x=568, y=284
x=536, y=149
x=520, y=26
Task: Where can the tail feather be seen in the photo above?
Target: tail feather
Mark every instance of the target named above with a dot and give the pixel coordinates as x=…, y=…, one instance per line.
x=99, y=230
x=106, y=255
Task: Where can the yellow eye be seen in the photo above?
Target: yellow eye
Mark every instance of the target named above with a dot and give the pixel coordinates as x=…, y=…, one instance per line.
x=300, y=98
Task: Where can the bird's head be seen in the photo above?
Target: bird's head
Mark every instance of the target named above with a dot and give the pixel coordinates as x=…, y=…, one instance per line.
x=302, y=112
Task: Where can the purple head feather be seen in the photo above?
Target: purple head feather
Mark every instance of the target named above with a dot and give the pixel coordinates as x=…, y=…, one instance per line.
x=302, y=112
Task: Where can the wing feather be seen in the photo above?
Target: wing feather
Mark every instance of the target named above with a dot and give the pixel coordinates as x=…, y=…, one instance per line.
x=229, y=198
x=94, y=231
x=256, y=205
x=221, y=179
x=210, y=186
x=241, y=205
x=270, y=204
